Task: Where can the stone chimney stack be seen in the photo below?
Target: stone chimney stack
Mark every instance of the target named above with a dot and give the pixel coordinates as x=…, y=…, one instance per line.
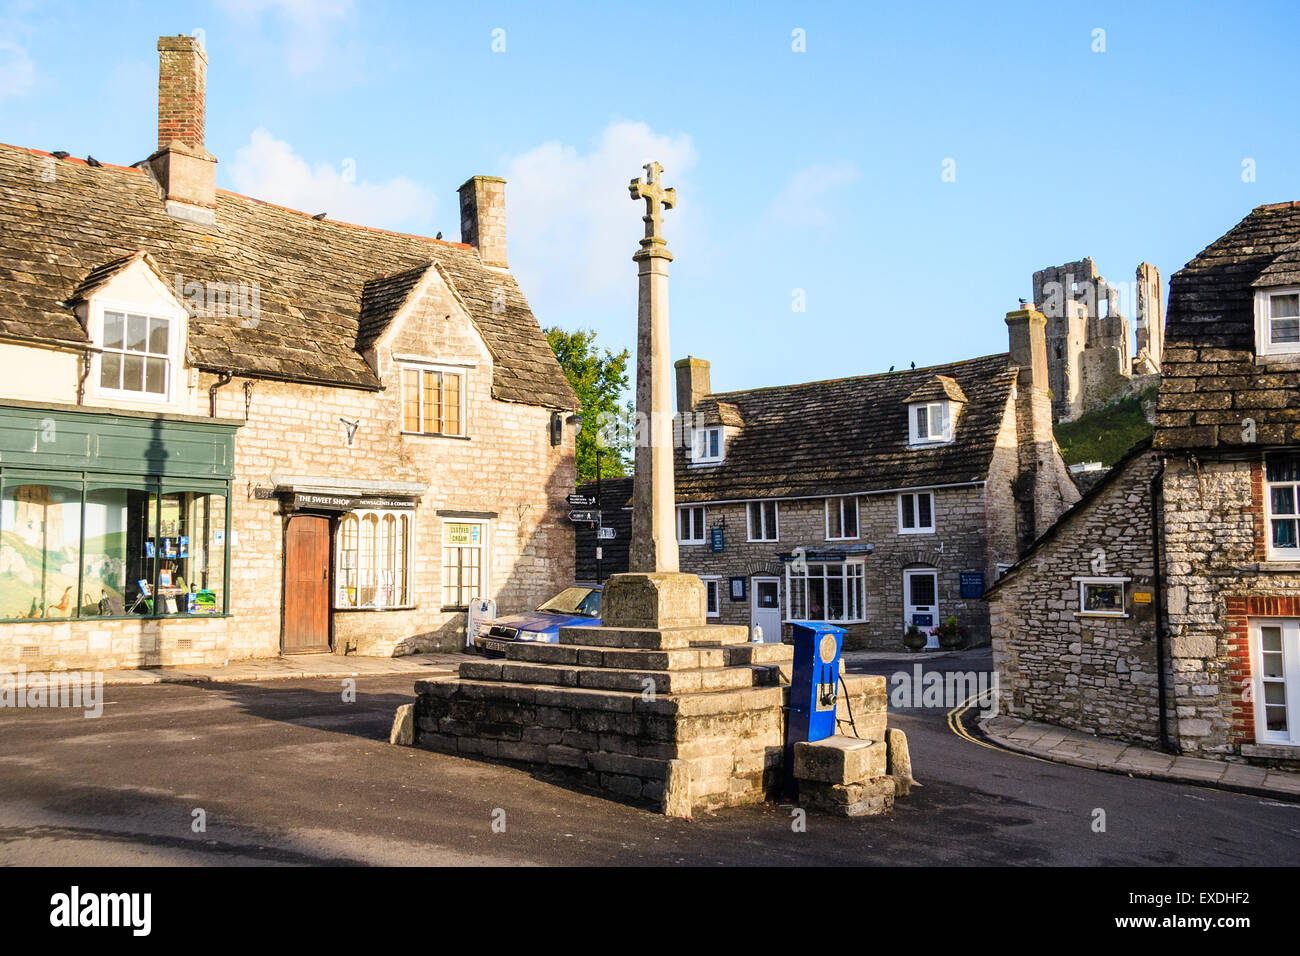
x=185, y=170
x=483, y=218
x=1042, y=484
x=692, y=383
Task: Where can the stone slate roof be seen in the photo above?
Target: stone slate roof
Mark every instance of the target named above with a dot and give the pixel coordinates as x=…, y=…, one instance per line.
x=850, y=435
x=938, y=388
x=382, y=299
x=312, y=277
x=712, y=412
x=1210, y=380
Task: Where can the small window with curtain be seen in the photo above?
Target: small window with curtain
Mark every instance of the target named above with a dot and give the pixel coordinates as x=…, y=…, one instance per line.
x=1277, y=322
x=433, y=401
x=1282, y=501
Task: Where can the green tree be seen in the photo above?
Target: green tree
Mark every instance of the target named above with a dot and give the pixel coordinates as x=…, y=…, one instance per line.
x=600, y=378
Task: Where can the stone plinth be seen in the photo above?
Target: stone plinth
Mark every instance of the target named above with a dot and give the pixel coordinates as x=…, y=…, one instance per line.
x=655, y=599
x=845, y=776
x=686, y=719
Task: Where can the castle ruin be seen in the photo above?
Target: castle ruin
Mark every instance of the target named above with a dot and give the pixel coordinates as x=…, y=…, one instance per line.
x=1093, y=358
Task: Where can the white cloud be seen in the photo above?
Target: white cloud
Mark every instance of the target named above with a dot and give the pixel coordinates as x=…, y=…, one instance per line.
x=572, y=225
x=309, y=27
x=268, y=169
x=809, y=197
x=17, y=74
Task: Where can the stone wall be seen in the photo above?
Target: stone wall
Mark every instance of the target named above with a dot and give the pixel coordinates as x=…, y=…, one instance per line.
x=506, y=467
x=1095, y=674
x=1219, y=576
x=958, y=544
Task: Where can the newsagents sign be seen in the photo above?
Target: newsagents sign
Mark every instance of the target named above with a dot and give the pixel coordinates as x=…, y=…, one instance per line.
x=313, y=501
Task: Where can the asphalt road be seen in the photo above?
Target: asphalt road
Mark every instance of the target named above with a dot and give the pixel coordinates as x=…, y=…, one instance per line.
x=288, y=773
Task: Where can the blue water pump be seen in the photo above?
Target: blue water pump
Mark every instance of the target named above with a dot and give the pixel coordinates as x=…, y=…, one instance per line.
x=814, y=686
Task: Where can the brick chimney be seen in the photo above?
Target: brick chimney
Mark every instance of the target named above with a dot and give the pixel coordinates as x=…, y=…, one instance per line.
x=185, y=171
x=483, y=218
x=1042, y=483
x=692, y=383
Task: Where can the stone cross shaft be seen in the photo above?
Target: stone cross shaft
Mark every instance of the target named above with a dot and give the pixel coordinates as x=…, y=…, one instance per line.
x=654, y=533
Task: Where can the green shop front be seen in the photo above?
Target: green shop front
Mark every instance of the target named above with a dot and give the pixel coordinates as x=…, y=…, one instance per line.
x=113, y=515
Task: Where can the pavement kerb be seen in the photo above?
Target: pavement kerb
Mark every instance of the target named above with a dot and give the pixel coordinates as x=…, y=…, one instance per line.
x=1089, y=763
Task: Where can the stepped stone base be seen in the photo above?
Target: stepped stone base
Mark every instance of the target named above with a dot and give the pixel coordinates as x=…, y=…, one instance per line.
x=687, y=718
x=849, y=776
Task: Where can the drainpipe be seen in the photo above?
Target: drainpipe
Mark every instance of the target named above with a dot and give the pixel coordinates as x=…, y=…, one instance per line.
x=86, y=358
x=1157, y=501
x=223, y=379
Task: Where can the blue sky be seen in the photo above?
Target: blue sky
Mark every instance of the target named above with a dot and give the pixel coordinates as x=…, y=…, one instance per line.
x=818, y=171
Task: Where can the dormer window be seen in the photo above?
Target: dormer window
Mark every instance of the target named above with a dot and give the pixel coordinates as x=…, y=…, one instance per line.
x=1277, y=322
x=137, y=354
x=707, y=445
x=930, y=423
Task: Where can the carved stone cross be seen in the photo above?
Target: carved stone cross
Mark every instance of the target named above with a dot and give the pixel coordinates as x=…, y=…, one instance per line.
x=656, y=199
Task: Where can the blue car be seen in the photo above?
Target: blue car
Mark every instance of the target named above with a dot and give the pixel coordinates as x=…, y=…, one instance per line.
x=573, y=607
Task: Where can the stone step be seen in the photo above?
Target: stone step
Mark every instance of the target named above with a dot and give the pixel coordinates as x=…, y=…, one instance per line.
x=658, y=682
x=658, y=639
x=620, y=657
x=760, y=653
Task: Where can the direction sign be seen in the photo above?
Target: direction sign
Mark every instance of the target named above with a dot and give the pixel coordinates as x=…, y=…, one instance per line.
x=592, y=516
x=581, y=501
x=605, y=534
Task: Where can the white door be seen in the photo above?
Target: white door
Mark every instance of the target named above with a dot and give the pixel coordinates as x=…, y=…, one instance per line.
x=921, y=601
x=765, y=608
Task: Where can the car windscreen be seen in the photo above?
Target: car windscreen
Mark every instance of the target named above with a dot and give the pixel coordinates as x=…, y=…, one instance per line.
x=582, y=602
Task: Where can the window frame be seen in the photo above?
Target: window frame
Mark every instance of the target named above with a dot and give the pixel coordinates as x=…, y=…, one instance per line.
x=441, y=371
x=857, y=518
x=799, y=585
x=916, y=528
x=1290, y=680
x=176, y=319
x=749, y=521
x=1085, y=580
x=703, y=525
x=914, y=433
x=1275, y=553
x=714, y=583
x=382, y=515
x=485, y=562
x=701, y=433
x=1264, y=345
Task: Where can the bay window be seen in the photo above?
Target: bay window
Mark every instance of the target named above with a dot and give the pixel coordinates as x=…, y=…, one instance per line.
x=373, y=560
x=831, y=591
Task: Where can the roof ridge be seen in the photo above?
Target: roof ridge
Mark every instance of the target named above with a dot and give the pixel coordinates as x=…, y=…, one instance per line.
x=858, y=378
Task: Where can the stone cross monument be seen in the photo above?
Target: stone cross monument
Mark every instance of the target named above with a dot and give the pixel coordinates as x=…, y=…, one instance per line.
x=654, y=537
x=653, y=594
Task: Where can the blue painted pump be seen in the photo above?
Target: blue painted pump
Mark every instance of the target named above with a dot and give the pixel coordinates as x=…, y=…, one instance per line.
x=814, y=686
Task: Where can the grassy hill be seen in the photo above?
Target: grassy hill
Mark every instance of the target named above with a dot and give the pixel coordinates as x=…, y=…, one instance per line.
x=1105, y=435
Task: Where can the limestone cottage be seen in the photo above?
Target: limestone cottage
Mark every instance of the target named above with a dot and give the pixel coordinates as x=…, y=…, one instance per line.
x=233, y=430
x=876, y=502
x=1165, y=607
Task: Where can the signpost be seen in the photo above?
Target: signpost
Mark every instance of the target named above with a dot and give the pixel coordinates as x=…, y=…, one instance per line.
x=591, y=516
x=581, y=501
x=605, y=534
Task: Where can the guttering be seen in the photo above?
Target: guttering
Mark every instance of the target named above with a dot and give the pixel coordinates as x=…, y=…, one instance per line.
x=1157, y=501
x=223, y=379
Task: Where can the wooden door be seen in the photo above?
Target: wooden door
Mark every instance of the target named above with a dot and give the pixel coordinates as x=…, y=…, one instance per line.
x=307, y=585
